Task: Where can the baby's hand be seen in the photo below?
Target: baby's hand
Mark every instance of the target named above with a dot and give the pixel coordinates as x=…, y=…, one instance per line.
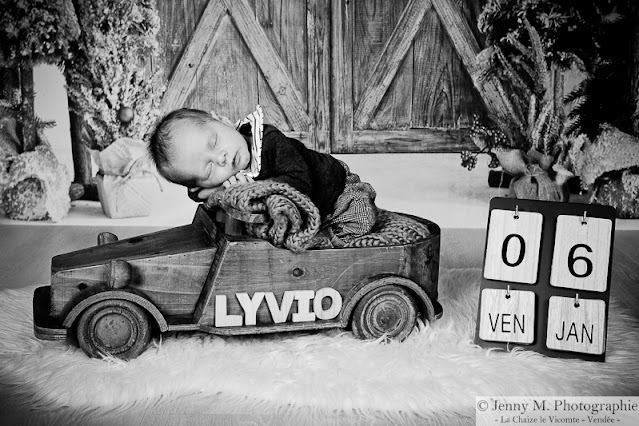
x=202, y=194
x=197, y=193
x=239, y=179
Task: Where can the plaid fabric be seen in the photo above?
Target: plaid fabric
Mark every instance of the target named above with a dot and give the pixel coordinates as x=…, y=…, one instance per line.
x=355, y=212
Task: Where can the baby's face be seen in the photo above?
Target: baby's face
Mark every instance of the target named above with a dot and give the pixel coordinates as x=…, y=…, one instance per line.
x=208, y=155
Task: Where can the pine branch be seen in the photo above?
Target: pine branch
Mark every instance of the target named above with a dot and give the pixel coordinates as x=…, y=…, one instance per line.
x=44, y=124
x=551, y=133
x=540, y=123
x=577, y=94
x=513, y=75
x=538, y=52
x=519, y=46
x=532, y=115
x=510, y=112
x=529, y=71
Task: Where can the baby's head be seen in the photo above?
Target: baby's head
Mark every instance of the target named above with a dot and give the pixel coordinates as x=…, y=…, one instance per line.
x=191, y=148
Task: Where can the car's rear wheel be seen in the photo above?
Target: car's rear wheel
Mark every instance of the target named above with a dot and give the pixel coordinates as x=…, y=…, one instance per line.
x=114, y=327
x=388, y=310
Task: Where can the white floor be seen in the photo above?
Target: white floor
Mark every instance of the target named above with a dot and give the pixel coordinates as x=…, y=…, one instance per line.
x=433, y=186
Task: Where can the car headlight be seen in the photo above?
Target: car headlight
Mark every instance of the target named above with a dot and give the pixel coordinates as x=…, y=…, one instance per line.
x=119, y=274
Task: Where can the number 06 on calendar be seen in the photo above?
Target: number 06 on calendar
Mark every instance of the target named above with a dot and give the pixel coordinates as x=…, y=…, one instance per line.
x=546, y=278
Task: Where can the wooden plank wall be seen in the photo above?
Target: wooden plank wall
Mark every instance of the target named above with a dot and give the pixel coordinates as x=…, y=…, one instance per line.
x=431, y=88
x=330, y=49
x=284, y=23
x=228, y=65
x=374, y=21
x=178, y=21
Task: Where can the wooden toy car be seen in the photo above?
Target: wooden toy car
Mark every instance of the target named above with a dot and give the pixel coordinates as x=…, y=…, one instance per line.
x=115, y=296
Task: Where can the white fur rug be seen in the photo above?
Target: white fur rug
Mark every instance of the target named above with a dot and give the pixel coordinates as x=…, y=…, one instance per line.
x=434, y=375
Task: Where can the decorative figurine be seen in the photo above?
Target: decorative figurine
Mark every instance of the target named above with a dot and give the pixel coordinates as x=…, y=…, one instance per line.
x=126, y=114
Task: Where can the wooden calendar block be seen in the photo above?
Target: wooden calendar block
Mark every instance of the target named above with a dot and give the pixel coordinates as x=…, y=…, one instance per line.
x=507, y=316
x=512, y=248
x=582, y=253
x=541, y=254
x=576, y=325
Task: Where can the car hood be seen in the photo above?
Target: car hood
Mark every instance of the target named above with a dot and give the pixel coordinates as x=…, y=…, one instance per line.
x=182, y=239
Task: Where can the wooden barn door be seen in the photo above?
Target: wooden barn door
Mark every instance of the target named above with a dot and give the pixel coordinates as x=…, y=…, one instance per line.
x=343, y=76
x=230, y=55
x=403, y=75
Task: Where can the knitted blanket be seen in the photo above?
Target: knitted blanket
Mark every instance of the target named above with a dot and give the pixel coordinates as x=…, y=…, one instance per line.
x=287, y=218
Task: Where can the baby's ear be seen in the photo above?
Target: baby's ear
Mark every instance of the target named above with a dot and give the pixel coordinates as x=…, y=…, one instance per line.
x=221, y=118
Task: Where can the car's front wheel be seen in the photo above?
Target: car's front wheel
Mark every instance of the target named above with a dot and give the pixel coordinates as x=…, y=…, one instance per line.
x=114, y=327
x=388, y=310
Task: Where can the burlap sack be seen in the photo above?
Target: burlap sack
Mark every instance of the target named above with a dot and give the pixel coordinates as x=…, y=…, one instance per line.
x=126, y=182
x=126, y=196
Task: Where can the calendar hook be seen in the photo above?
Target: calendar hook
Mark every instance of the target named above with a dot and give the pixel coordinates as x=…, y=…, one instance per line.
x=584, y=221
x=516, y=211
x=576, y=300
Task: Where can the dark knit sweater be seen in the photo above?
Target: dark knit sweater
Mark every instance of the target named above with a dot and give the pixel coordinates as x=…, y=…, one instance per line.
x=287, y=160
